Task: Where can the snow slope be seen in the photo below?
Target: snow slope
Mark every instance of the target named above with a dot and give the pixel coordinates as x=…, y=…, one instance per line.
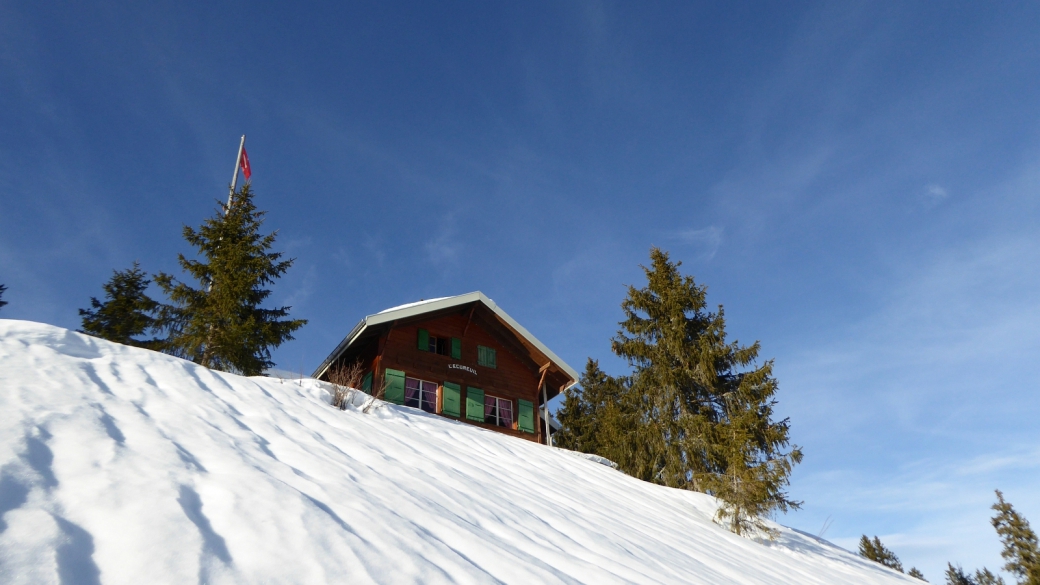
x=121, y=465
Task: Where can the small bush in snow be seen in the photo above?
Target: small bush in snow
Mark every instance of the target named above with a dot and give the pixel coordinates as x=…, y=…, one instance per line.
x=345, y=378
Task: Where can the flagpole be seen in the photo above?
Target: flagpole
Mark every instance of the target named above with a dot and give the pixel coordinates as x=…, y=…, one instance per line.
x=231, y=192
x=238, y=161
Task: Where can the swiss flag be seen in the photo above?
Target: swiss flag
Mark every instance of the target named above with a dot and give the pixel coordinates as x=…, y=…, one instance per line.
x=245, y=164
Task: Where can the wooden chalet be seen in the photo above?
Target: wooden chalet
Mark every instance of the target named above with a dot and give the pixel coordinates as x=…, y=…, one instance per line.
x=460, y=357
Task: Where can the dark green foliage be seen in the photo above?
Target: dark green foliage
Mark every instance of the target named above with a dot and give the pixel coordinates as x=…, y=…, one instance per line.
x=2, y=301
x=220, y=324
x=695, y=413
x=599, y=416
x=874, y=550
x=578, y=414
x=877, y=552
x=591, y=411
x=751, y=469
x=706, y=417
x=985, y=577
x=1021, y=550
x=957, y=576
x=127, y=311
x=1020, y=543
x=913, y=572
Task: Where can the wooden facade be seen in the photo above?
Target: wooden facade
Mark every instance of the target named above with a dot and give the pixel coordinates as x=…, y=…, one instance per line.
x=460, y=357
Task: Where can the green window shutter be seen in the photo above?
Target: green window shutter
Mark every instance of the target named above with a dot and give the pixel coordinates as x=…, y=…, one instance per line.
x=451, y=399
x=456, y=348
x=394, y=386
x=525, y=416
x=424, y=340
x=475, y=404
x=486, y=357
x=366, y=383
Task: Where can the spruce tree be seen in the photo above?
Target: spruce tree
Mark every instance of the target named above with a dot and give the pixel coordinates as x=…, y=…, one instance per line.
x=877, y=552
x=913, y=572
x=2, y=301
x=220, y=324
x=985, y=577
x=609, y=422
x=703, y=412
x=595, y=416
x=748, y=445
x=576, y=416
x=659, y=338
x=127, y=311
x=956, y=576
x=1021, y=550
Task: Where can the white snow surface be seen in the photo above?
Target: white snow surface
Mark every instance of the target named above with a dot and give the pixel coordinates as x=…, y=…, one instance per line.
x=122, y=465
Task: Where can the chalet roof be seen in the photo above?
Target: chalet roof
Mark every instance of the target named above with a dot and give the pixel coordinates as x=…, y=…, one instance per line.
x=410, y=310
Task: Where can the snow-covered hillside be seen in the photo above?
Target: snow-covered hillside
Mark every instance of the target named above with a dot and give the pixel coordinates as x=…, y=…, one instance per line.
x=120, y=465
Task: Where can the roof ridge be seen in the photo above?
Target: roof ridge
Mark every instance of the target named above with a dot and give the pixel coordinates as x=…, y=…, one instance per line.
x=421, y=307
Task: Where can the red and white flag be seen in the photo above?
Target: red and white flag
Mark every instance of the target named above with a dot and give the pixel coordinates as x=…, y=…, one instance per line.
x=246, y=172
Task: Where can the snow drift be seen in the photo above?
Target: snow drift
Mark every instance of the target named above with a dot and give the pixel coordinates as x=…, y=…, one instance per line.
x=121, y=465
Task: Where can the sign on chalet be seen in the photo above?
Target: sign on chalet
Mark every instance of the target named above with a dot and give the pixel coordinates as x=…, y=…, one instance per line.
x=460, y=357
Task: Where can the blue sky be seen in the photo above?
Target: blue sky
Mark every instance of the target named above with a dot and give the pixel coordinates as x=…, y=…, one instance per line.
x=856, y=184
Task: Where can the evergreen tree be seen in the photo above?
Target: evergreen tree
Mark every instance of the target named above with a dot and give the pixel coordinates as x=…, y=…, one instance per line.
x=913, y=572
x=701, y=421
x=127, y=311
x=877, y=552
x=2, y=301
x=956, y=576
x=1021, y=550
x=659, y=338
x=220, y=324
x=597, y=418
x=985, y=577
x=753, y=470
x=577, y=416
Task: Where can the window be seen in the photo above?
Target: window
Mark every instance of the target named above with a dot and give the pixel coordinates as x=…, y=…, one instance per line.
x=440, y=345
x=498, y=411
x=420, y=394
x=451, y=346
x=486, y=357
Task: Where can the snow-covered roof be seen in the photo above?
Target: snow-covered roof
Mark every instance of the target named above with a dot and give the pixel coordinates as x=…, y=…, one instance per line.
x=409, y=305
x=422, y=307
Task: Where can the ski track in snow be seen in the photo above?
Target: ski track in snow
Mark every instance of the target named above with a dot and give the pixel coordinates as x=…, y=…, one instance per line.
x=122, y=465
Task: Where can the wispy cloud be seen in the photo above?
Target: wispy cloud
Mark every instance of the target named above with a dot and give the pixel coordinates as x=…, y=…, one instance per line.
x=934, y=195
x=940, y=506
x=375, y=249
x=303, y=289
x=444, y=249
x=916, y=412
x=705, y=240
